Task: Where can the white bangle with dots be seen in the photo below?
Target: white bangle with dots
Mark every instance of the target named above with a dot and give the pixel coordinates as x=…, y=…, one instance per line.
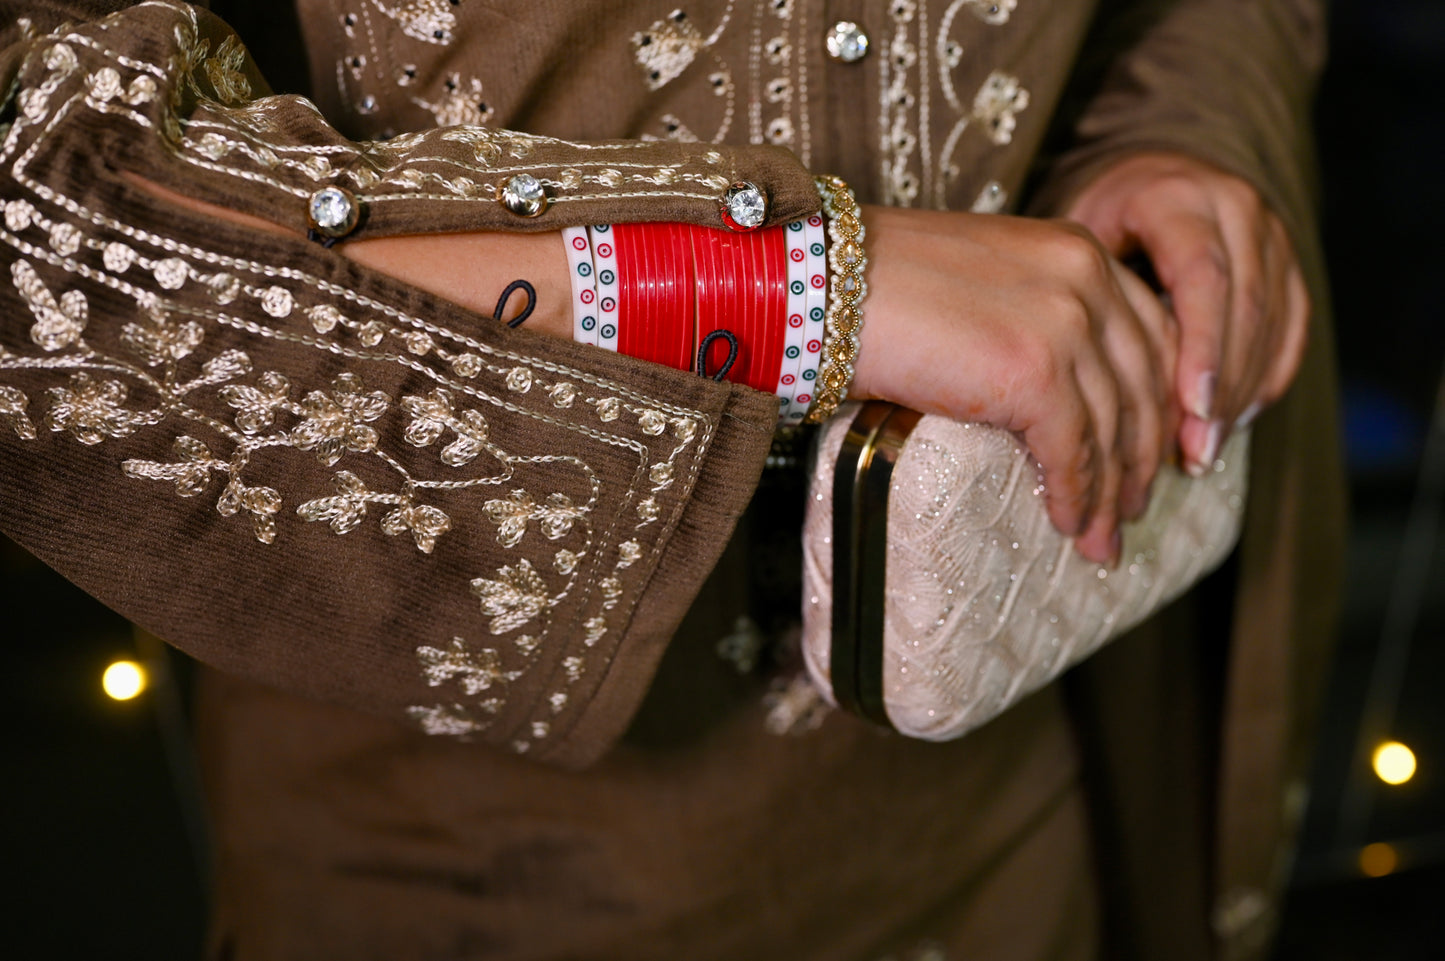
x=604, y=258
x=584, y=284
x=815, y=314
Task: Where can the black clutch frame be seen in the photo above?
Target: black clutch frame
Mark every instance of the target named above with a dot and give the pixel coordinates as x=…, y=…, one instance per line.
x=871, y=448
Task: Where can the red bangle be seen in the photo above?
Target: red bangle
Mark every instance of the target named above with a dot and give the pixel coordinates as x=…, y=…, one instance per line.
x=671, y=279
x=774, y=319
x=683, y=322
x=633, y=298
x=716, y=293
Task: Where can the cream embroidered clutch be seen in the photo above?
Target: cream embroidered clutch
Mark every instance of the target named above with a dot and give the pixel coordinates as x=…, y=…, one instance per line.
x=957, y=596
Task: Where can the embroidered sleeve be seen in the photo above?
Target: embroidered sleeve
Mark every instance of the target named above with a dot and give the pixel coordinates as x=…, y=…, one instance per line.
x=308, y=473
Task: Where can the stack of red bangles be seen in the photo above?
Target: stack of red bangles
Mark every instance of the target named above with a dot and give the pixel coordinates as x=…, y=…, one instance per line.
x=663, y=292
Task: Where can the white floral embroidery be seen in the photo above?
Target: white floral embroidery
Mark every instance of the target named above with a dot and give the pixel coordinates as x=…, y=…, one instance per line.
x=12, y=412
x=105, y=84
x=453, y=720
x=512, y=514
x=425, y=522
x=18, y=214
x=460, y=103
x=118, y=258
x=477, y=671
x=261, y=503
x=794, y=706
x=191, y=475
x=338, y=422
x=992, y=199
x=667, y=48
x=158, y=339
x=648, y=511
x=342, y=512
x=226, y=72
x=58, y=324
x=628, y=553
x=90, y=410
x=277, y=301
x=516, y=596
x=431, y=21
x=64, y=239
x=998, y=103
x=256, y=407
x=992, y=12
x=433, y=415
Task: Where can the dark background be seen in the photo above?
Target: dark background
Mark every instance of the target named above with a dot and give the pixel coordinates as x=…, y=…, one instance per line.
x=104, y=839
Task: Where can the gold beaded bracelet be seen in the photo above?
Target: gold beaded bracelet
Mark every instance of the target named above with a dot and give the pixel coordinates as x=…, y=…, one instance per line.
x=846, y=290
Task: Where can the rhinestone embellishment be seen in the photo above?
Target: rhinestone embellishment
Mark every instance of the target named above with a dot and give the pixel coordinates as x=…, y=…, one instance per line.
x=744, y=207
x=847, y=42
x=332, y=212
x=525, y=196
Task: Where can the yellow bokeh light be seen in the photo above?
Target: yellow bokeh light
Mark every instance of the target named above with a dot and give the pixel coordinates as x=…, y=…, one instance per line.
x=123, y=680
x=1394, y=762
x=1378, y=860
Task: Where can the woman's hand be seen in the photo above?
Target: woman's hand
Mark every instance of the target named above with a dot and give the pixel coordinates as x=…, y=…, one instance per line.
x=1230, y=271
x=1029, y=325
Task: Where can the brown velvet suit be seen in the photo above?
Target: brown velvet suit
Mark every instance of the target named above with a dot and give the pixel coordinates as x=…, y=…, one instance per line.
x=314, y=477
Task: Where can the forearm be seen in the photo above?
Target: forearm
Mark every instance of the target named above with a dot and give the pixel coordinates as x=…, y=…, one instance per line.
x=469, y=269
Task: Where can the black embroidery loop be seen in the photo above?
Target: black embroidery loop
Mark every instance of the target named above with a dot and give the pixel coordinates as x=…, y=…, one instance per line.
x=513, y=287
x=327, y=242
x=701, y=369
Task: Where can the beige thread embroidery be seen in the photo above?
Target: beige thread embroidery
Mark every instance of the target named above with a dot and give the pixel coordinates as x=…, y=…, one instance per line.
x=448, y=720
x=461, y=103
x=511, y=515
x=430, y=21
x=167, y=333
x=517, y=595
x=13, y=404
x=667, y=48
x=992, y=199
x=901, y=184
x=335, y=423
x=476, y=672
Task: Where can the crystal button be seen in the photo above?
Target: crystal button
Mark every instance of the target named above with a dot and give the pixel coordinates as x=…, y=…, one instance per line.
x=333, y=212
x=847, y=42
x=744, y=207
x=525, y=196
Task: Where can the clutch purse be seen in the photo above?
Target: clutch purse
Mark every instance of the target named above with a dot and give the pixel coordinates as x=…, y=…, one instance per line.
x=936, y=591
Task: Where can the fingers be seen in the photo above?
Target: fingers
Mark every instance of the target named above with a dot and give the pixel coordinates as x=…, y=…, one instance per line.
x=1191, y=259
x=1065, y=441
x=1289, y=352
x=1146, y=367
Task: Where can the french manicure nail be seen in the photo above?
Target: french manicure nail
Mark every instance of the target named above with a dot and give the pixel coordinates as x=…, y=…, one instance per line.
x=1196, y=468
x=1247, y=418
x=1204, y=403
x=1211, y=444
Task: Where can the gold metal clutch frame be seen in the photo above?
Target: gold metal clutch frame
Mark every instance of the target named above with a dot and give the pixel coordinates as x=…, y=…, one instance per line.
x=861, y=484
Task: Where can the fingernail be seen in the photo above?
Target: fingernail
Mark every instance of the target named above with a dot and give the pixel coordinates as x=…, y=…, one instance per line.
x=1204, y=402
x=1247, y=418
x=1195, y=467
x=1211, y=443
